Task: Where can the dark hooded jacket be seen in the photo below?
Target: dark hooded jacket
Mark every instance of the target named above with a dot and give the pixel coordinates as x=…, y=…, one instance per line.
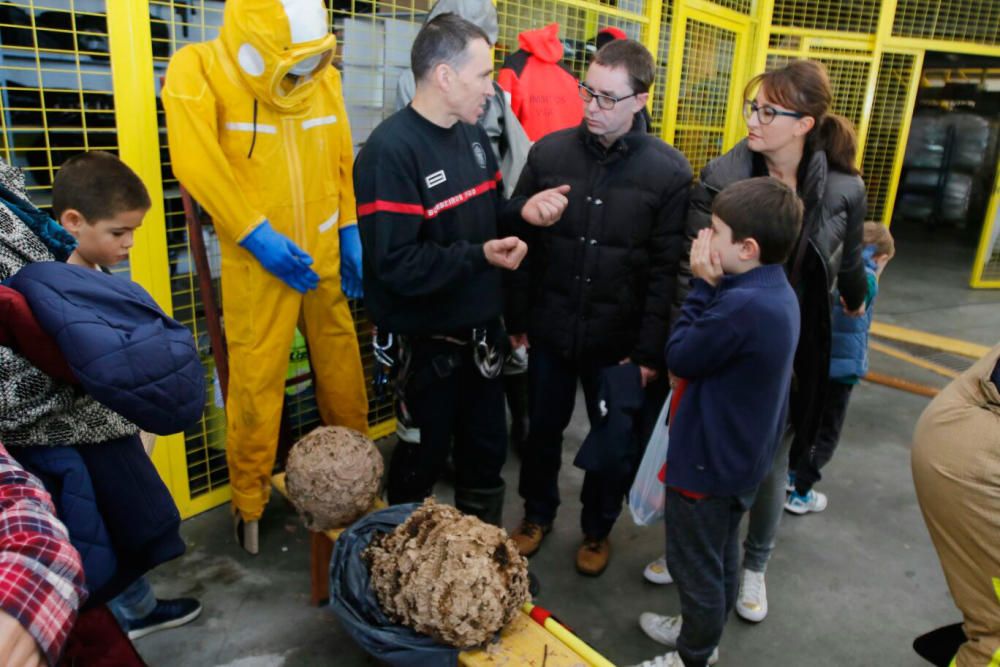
x=835, y=209
x=597, y=286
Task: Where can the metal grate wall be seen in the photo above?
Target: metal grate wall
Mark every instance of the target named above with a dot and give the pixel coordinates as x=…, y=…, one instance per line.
x=856, y=16
x=976, y=21
x=885, y=132
x=55, y=86
x=706, y=77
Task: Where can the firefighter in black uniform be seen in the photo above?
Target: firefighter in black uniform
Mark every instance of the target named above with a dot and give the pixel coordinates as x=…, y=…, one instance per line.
x=430, y=207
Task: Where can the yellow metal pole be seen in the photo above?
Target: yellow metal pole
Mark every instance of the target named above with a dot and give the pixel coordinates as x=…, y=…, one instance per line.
x=652, y=40
x=561, y=632
x=887, y=14
x=904, y=135
x=675, y=63
x=762, y=38
x=986, y=244
x=131, y=46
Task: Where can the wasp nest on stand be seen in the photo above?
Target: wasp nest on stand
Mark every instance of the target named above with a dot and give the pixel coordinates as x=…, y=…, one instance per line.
x=448, y=575
x=333, y=475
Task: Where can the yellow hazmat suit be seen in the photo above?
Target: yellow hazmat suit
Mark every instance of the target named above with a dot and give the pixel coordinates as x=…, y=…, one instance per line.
x=250, y=144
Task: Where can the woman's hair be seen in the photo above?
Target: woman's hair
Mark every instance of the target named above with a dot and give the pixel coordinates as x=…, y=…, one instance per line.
x=804, y=86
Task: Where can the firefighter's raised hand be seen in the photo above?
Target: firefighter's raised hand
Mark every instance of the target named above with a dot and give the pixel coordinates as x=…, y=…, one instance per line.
x=546, y=207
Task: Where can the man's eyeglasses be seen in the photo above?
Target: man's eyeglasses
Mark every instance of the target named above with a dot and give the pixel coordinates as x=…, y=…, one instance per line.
x=766, y=114
x=605, y=102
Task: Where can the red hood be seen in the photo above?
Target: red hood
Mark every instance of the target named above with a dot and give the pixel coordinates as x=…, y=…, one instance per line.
x=543, y=43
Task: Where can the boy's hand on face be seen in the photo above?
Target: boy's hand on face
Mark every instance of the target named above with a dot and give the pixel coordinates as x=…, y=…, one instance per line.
x=705, y=263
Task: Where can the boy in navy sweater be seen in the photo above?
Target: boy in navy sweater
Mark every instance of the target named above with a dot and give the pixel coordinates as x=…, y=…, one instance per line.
x=734, y=343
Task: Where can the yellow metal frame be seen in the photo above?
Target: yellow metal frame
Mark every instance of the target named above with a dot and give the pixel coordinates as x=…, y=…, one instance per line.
x=130, y=46
x=983, y=252
x=719, y=17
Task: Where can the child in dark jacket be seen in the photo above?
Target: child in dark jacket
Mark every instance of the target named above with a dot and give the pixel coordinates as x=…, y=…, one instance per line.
x=848, y=364
x=734, y=343
x=101, y=202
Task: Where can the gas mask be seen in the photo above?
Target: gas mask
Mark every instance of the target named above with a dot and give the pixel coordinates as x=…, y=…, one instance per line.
x=307, y=21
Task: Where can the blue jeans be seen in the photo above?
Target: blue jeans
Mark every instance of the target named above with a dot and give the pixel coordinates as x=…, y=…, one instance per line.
x=135, y=602
x=766, y=511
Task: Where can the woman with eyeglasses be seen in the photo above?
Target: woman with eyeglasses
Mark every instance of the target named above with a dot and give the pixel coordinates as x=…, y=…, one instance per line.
x=792, y=135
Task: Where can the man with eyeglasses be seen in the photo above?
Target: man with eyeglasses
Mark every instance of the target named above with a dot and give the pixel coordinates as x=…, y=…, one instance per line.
x=593, y=297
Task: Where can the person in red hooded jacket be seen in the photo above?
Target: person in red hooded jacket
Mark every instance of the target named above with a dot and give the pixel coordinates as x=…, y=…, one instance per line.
x=543, y=92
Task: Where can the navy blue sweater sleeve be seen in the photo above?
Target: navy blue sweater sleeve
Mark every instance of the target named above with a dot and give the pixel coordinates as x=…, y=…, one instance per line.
x=704, y=337
x=390, y=214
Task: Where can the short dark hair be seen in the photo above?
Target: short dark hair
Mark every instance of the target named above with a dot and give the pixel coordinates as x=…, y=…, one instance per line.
x=443, y=39
x=99, y=186
x=764, y=209
x=634, y=57
x=878, y=235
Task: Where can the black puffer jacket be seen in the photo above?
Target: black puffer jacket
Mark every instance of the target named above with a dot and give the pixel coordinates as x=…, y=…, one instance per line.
x=835, y=209
x=599, y=284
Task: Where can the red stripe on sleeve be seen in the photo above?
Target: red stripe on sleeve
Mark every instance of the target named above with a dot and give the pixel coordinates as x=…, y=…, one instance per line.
x=382, y=206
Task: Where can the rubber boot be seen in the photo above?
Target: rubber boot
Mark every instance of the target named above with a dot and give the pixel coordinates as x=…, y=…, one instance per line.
x=486, y=504
x=939, y=646
x=516, y=389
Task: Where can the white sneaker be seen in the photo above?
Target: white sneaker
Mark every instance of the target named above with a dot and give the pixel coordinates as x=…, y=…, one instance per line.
x=673, y=659
x=663, y=629
x=752, y=602
x=814, y=501
x=790, y=483
x=657, y=572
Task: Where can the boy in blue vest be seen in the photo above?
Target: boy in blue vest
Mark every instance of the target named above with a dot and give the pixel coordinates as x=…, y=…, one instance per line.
x=848, y=364
x=734, y=344
x=101, y=202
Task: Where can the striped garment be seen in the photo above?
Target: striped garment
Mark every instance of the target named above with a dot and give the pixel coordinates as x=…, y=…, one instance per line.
x=41, y=577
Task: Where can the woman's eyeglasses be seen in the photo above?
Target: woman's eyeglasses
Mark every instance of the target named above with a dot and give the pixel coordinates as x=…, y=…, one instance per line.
x=766, y=114
x=606, y=102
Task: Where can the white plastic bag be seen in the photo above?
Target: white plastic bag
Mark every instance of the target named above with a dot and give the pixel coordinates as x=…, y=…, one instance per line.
x=648, y=494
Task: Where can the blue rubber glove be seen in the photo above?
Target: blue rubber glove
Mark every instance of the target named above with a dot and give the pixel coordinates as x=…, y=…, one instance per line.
x=350, y=262
x=280, y=256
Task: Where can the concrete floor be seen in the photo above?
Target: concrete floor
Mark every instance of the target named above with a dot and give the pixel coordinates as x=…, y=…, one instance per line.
x=852, y=586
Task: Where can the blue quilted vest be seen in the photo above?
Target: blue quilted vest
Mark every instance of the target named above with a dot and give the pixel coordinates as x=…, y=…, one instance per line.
x=849, y=350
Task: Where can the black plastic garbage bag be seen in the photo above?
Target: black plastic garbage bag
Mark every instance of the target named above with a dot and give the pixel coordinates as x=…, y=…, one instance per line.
x=353, y=600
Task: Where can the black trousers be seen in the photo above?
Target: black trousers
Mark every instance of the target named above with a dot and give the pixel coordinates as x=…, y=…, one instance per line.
x=459, y=406
x=703, y=549
x=812, y=459
x=552, y=397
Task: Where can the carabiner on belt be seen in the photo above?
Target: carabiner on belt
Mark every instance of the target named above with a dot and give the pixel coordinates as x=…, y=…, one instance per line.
x=488, y=358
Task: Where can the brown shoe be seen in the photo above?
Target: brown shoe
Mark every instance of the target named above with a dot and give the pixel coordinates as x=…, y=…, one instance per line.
x=528, y=536
x=592, y=556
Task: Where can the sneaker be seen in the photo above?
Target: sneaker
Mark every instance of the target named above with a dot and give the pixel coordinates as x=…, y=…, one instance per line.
x=673, y=659
x=657, y=572
x=751, y=604
x=528, y=536
x=813, y=501
x=790, y=483
x=659, y=628
x=593, y=555
x=167, y=614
